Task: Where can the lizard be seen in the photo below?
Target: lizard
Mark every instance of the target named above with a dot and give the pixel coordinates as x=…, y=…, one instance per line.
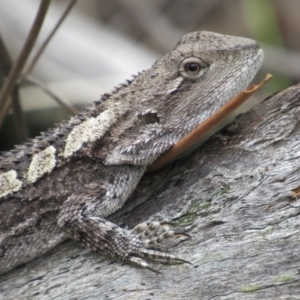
x=66, y=182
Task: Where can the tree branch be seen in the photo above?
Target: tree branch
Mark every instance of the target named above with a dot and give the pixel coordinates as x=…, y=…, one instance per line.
x=232, y=195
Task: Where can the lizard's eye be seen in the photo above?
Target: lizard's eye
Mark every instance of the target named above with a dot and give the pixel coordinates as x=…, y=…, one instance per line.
x=192, y=67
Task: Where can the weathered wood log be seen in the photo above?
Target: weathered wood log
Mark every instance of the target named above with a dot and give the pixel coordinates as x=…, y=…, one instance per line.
x=232, y=195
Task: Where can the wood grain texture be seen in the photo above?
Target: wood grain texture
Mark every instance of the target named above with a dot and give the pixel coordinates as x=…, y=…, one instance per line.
x=233, y=196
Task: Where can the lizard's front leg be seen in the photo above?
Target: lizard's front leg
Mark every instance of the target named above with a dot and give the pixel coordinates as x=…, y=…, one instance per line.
x=83, y=214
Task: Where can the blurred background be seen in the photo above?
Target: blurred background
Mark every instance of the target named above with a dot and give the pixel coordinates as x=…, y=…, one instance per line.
x=101, y=43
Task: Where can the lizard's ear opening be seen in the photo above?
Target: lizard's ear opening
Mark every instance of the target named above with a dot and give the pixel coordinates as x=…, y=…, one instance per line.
x=149, y=118
x=192, y=68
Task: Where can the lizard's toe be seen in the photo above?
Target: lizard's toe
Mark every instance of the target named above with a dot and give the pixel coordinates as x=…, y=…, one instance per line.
x=155, y=234
x=154, y=255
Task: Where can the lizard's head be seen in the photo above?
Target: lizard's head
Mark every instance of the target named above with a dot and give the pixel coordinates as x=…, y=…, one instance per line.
x=180, y=91
x=203, y=72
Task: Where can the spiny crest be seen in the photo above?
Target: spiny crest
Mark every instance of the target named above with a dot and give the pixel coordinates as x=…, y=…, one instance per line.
x=116, y=89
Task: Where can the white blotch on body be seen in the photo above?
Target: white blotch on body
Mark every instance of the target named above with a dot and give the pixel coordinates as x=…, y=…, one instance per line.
x=9, y=183
x=41, y=163
x=89, y=131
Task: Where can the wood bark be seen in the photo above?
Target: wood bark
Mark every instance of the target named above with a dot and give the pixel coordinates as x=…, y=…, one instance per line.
x=232, y=195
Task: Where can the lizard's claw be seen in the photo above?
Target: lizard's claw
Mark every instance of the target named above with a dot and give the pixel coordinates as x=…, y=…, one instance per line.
x=154, y=256
x=150, y=235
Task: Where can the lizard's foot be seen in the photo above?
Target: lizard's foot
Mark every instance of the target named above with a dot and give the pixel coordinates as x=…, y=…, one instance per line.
x=150, y=235
x=155, y=233
x=101, y=235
